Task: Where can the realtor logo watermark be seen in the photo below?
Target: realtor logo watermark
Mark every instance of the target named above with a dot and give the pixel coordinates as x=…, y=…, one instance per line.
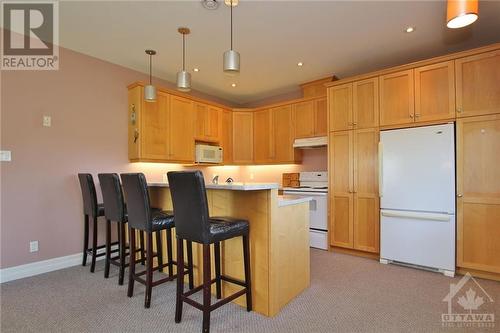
x=468, y=305
x=30, y=35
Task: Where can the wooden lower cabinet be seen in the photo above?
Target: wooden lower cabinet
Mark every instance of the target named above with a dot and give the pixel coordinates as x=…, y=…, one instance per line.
x=478, y=193
x=354, y=201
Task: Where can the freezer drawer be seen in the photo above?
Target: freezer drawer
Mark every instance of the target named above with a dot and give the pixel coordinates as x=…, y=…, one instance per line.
x=417, y=238
x=319, y=239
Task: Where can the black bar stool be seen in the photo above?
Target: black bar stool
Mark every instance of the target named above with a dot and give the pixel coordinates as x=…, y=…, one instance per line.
x=144, y=218
x=94, y=210
x=115, y=210
x=194, y=224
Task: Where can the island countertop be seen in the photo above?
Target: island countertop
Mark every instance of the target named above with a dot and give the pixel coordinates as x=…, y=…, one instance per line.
x=234, y=186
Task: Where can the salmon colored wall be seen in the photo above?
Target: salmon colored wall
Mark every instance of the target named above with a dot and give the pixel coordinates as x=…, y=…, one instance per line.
x=87, y=100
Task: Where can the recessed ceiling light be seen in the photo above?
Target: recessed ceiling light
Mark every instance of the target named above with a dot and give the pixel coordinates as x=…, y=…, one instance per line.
x=233, y=85
x=196, y=69
x=300, y=64
x=409, y=29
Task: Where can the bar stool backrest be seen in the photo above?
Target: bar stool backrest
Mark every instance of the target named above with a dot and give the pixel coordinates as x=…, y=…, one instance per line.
x=189, y=198
x=112, y=197
x=88, y=193
x=138, y=204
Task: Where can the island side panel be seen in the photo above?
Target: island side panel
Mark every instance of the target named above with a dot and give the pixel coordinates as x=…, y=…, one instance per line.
x=289, y=253
x=254, y=207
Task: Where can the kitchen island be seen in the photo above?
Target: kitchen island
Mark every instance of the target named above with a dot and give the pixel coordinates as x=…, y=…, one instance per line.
x=279, y=241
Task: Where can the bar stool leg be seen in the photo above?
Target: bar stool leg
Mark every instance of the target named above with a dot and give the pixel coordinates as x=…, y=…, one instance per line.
x=108, y=249
x=217, y=269
x=121, y=239
x=149, y=270
x=131, y=268
x=85, y=238
x=246, y=260
x=142, y=246
x=206, y=288
x=159, y=251
x=94, y=246
x=190, y=264
x=180, y=280
x=169, y=253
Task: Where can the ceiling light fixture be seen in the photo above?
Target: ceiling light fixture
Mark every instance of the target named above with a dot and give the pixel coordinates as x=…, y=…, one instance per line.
x=233, y=85
x=210, y=4
x=460, y=13
x=196, y=69
x=150, y=90
x=300, y=64
x=409, y=29
x=231, y=63
x=184, y=77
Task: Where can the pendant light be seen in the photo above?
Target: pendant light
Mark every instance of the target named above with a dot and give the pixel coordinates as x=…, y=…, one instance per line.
x=184, y=77
x=460, y=13
x=150, y=90
x=231, y=57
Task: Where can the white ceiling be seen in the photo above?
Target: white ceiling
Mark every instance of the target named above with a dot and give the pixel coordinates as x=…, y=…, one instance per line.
x=331, y=37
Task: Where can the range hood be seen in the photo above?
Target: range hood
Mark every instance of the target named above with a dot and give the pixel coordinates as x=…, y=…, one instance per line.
x=316, y=142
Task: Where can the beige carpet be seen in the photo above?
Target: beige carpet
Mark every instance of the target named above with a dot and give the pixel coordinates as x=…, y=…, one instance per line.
x=347, y=294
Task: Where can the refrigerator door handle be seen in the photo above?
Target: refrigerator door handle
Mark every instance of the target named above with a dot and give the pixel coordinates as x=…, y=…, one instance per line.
x=416, y=215
x=380, y=170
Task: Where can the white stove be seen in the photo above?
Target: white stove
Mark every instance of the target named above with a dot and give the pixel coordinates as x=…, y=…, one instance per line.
x=315, y=185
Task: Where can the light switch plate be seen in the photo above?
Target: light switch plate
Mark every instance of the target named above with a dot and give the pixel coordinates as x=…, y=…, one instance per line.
x=5, y=156
x=47, y=121
x=33, y=246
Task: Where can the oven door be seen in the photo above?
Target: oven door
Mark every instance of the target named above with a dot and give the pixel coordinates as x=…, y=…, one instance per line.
x=318, y=208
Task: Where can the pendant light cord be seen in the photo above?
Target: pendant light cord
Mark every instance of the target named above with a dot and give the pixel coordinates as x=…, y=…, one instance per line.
x=231, y=24
x=183, y=52
x=150, y=73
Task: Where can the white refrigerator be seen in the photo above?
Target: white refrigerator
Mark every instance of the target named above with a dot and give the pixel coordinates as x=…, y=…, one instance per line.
x=417, y=197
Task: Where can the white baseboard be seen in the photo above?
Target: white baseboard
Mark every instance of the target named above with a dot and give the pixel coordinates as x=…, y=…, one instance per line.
x=45, y=266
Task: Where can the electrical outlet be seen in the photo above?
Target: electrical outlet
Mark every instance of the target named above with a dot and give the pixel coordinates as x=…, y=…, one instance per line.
x=33, y=246
x=47, y=121
x=5, y=155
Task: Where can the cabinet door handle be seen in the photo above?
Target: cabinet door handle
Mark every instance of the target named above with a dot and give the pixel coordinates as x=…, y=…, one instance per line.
x=354, y=124
x=459, y=110
x=417, y=115
x=459, y=195
x=411, y=115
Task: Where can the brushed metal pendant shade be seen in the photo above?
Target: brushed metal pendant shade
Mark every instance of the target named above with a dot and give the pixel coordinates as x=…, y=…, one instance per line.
x=461, y=13
x=184, y=77
x=150, y=90
x=231, y=58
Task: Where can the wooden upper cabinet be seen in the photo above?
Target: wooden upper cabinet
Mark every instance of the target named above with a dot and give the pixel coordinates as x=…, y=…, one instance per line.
x=478, y=84
x=181, y=129
x=397, y=98
x=208, y=122
x=366, y=194
x=242, y=137
x=155, y=143
x=320, y=117
x=478, y=193
x=227, y=136
x=283, y=151
x=365, y=103
x=341, y=185
x=435, y=92
x=303, y=114
x=263, y=145
x=340, y=107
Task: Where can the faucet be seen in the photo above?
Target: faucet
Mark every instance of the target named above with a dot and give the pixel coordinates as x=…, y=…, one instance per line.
x=215, y=179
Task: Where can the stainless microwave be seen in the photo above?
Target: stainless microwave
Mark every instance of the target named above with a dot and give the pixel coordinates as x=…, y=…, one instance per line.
x=208, y=154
